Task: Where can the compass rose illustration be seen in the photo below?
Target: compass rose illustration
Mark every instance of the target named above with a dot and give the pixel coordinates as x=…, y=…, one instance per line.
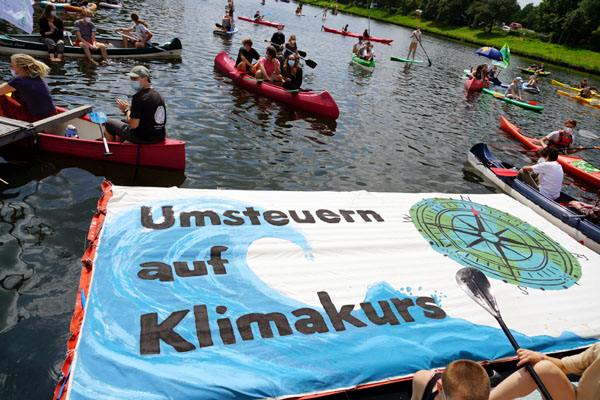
x=501, y=245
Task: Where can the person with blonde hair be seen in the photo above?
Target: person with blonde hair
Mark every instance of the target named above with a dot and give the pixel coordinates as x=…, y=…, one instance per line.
x=85, y=30
x=51, y=29
x=143, y=35
x=26, y=97
x=461, y=380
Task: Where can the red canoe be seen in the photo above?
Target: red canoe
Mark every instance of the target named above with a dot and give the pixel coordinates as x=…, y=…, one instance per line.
x=352, y=34
x=572, y=164
x=318, y=103
x=168, y=154
x=475, y=85
x=262, y=22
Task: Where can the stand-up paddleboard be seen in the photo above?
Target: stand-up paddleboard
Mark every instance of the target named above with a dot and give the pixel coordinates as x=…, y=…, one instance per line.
x=405, y=60
x=224, y=33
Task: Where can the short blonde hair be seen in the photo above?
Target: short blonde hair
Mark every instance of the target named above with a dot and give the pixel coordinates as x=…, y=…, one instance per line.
x=33, y=67
x=87, y=12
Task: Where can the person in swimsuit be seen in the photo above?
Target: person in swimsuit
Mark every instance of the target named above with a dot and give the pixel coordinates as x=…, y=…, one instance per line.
x=461, y=380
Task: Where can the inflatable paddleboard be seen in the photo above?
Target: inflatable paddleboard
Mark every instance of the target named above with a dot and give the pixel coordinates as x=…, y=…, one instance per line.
x=405, y=60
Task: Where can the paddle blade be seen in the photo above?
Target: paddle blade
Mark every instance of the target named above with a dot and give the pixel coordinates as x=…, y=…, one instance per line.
x=98, y=117
x=310, y=63
x=302, y=53
x=498, y=96
x=476, y=285
x=533, y=103
x=504, y=172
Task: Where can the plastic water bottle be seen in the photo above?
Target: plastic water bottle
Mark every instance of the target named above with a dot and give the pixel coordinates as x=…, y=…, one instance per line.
x=71, y=131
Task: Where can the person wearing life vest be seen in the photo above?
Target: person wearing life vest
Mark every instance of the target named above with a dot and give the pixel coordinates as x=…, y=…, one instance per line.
x=562, y=140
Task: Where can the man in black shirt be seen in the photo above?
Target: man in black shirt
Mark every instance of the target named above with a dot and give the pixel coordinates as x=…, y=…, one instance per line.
x=145, y=117
x=245, y=56
x=278, y=39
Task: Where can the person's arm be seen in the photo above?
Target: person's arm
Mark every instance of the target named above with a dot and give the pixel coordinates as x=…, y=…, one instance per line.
x=544, y=141
x=276, y=64
x=44, y=27
x=127, y=110
x=534, y=357
x=527, y=168
x=93, y=46
x=6, y=88
x=147, y=36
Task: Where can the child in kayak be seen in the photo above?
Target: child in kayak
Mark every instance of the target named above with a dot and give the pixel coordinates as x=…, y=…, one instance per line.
x=513, y=91
x=544, y=176
x=562, y=140
x=462, y=379
x=246, y=55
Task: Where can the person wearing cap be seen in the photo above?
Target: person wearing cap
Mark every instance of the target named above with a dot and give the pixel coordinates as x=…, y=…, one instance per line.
x=278, y=39
x=145, y=118
x=292, y=73
x=513, y=91
x=85, y=30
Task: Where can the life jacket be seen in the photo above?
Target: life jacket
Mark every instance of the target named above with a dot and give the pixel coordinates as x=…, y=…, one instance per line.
x=562, y=142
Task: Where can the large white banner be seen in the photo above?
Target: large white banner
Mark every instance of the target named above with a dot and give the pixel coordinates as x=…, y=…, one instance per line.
x=209, y=294
x=18, y=12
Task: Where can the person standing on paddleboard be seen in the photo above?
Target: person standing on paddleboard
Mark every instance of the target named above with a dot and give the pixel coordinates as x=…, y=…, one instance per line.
x=145, y=117
x=462, y=379
x=415, y=39
x=562, y=140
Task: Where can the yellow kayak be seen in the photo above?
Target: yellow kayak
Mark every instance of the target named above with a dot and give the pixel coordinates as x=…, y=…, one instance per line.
x=588, y=102
x=574, y=89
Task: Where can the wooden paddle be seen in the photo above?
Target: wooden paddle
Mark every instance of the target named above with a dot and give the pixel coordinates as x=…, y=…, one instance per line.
x=149, y=44
x=500, y=96
x=504, y=172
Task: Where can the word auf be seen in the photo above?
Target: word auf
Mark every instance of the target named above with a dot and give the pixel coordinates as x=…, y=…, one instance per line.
x=163, y=272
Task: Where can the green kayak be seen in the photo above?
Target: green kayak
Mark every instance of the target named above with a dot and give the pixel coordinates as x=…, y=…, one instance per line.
x=405, y=60
x=512, y=101
x=366, y=65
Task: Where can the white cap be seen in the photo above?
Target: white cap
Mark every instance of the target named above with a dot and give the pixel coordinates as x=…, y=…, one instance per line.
x=519, y=79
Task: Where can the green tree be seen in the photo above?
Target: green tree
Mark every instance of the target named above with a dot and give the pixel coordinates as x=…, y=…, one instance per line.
x=452, y=11
x=486, y=12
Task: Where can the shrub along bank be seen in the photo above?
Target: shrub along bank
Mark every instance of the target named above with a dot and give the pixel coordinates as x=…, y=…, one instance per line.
x=520, y=42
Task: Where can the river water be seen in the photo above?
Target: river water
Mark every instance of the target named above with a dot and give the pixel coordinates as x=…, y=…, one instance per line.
x=403, y=128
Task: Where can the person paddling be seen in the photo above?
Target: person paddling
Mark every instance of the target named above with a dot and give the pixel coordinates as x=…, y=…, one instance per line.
x=142, y=34
x=345, y=29
x=358, y=45
x=586, y=93
x=278, y=39
x=257, y=16
x=582, y=84
x=492, y=76
x=562, y=139
x=415, y=39
x=290, y=47
x=366, y=35
x=299, y=9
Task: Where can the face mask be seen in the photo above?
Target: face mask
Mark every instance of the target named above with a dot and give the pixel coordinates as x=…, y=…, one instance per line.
x=136, y=85
x=568, y=129
x=13, y=73
x=88, y=19
x=53, y=13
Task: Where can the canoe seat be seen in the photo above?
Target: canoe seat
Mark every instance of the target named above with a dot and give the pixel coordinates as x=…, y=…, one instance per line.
x=68, y=115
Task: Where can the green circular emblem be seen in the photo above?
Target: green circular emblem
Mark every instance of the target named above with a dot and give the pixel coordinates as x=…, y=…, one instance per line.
x=500, y=245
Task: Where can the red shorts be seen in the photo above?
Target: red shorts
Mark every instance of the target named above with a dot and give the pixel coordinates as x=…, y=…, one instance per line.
x=78, y=42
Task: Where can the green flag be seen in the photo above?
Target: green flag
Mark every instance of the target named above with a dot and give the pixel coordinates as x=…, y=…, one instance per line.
x=505, y=51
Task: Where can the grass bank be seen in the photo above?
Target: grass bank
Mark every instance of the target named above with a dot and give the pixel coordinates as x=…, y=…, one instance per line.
x=572, y=57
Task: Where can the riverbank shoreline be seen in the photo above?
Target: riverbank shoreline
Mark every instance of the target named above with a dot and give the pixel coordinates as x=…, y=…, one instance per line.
x=578, y=59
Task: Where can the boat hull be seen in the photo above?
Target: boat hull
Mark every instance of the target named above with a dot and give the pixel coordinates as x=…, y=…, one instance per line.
x=475, y=85
x=530, y=72
x=531, y=89
x=352, y=34
x=223, y=33
x=573, y=89
x=366, y=65
x=512, y=101
x=573, y=165
x=317, y=103
x=262, y=22
x=32, y=45
x=582, y=230
x=593, y=102
x=68, y=7
x=110, y=5
x=169, y=154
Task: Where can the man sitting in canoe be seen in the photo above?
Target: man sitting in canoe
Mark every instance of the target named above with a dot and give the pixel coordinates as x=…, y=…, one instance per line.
x=545, y=176
x=257, y=16
x=268, y=68
x=85, y=30
x=278, y=39
x=30, y=98
x=358, y=45
x=513, y=91
x=246, y=55
x=562, y=140
x=146, y=116
x=462, y=379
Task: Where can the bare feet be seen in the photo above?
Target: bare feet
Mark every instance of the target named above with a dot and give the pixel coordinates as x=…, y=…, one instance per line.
x=93, y=61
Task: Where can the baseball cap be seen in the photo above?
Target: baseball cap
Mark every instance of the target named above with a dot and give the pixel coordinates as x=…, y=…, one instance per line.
x=139, y=71
x=519, y=79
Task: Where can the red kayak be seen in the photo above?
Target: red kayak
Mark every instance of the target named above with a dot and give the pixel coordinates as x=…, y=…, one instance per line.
x=571, y=164
x=352, y=34
x=475, y=85
x=262, y=22
x=318, y=103
x=168, y=154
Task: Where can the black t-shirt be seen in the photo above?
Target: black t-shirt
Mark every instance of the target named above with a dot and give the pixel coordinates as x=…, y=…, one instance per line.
x=278, y=39
x=250, y=55
x=148, y=106
x=45, y=28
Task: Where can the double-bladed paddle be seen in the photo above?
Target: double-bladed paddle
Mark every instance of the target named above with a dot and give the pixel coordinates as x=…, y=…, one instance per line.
x=475, y=284
x=99, y=117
